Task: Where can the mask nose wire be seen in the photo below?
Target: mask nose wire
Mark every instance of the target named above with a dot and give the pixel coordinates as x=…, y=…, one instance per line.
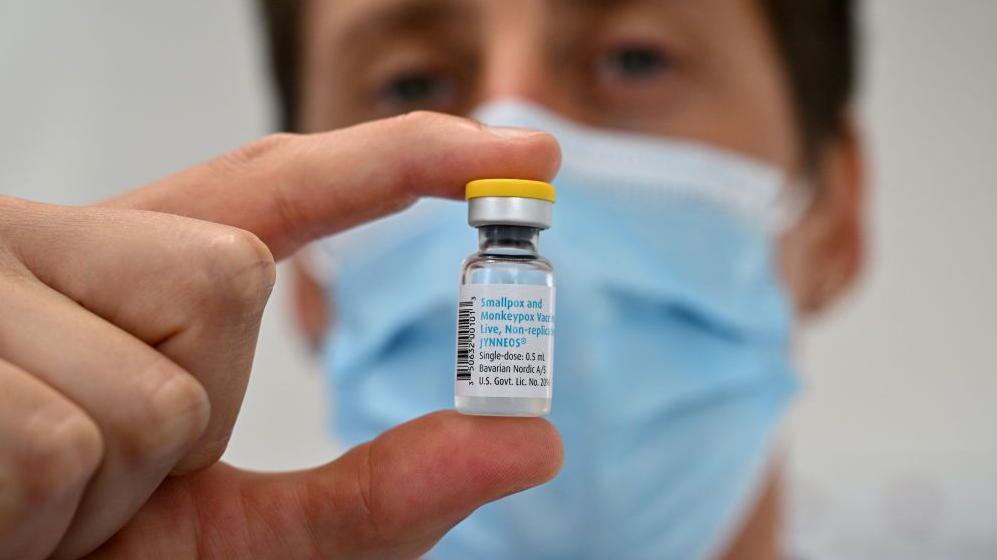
x=777, y=213
x=507, y=111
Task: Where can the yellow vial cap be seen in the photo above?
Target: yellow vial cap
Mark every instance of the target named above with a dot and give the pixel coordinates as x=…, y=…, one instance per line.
x=521, y=188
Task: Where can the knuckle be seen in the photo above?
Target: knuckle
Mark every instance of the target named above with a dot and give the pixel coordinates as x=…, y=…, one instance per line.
x=13, y=273
x=240, y=268
x=421, y=120
x=64, y=450
x=204, y=454
x=252, y=153
x=375, y=525
x=378, y=525
x=171, y=416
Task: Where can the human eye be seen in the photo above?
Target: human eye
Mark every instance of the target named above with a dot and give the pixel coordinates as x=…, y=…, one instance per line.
x=412, y=89
x=628, y=65
x=631, y=64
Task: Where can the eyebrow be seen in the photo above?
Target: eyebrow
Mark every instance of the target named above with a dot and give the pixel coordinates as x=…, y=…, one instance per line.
x=406, y=15
x=596, y=5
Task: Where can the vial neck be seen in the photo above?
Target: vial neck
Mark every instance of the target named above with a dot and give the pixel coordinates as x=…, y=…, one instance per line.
x=507, y=240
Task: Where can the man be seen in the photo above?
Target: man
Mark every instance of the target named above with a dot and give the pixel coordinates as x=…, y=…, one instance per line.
x=128, y=328
x=679, y=463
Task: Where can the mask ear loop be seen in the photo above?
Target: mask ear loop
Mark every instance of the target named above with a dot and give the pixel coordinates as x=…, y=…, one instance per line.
x=790, y=206
x=319, y=262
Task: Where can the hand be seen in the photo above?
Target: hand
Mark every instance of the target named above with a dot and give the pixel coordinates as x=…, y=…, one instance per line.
x=393, y=497
x=126, y=340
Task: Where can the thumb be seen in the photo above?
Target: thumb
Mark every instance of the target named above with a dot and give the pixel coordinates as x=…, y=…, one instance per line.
x=397, y=495
x=393, y=497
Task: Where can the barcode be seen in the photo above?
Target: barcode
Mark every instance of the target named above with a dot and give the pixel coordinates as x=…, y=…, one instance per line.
x=465, y=339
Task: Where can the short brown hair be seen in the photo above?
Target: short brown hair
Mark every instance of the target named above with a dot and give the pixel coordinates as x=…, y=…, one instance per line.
x=282, y=22
x=818, y=44
x=816, y=39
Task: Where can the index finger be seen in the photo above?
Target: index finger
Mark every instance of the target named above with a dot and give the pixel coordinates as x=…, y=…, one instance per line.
x=290, y=189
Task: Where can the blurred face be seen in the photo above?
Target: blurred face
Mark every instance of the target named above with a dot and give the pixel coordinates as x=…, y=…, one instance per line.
x=705, y=70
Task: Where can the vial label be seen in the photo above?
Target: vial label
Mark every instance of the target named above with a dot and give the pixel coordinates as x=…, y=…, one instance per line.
x=505, y=340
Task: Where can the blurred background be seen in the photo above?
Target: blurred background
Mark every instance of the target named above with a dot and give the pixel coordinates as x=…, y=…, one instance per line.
x=892, y=448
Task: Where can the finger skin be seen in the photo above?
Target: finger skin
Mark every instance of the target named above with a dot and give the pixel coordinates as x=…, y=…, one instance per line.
x=149, y=410
x=393, y=497
x=49, y=449
x=291, y=189
x=194, y=290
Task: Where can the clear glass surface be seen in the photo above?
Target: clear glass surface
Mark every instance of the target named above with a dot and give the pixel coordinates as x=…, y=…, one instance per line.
x=506, y=255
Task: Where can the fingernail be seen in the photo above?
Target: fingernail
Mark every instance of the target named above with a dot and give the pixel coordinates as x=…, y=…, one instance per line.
x=512, y=131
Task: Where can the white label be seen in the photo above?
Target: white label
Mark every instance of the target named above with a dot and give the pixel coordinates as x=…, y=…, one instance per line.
x=505, y=340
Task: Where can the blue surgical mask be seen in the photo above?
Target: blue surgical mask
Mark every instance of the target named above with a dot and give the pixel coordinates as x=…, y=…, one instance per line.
x=672, y=368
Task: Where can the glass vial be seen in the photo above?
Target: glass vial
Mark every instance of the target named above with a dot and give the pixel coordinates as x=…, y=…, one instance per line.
x=505, y=310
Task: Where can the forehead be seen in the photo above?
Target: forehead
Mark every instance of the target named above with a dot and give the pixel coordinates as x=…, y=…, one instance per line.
x=350, y=19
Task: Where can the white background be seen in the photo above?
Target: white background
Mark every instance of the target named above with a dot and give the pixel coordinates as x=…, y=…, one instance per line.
x=893, y=447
